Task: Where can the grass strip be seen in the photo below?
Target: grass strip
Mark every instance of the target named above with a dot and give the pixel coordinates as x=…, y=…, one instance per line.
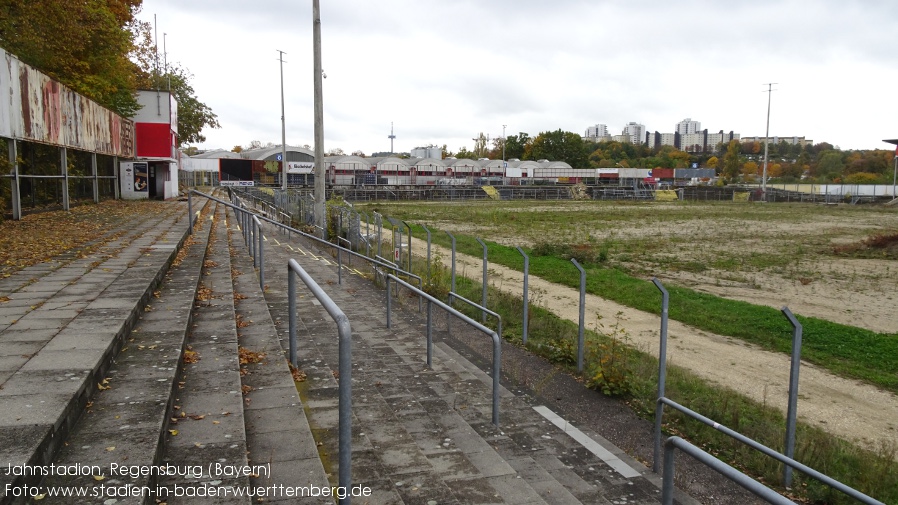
x=844, y=350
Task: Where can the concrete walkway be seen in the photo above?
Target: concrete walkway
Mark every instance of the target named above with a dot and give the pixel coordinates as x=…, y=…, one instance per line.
x=64, y=322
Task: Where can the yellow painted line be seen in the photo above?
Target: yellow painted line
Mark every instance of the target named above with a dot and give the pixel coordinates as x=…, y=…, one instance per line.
x=276, y=241
x=357, y=272
x=326, y=262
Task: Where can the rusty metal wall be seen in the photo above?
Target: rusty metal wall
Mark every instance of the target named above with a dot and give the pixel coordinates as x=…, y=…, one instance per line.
x=36, y=108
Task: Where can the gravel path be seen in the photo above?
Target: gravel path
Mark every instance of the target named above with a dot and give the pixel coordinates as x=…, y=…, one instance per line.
x=846, y=408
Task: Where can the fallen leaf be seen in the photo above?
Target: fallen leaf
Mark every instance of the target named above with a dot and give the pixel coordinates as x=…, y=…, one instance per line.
x=99, y=477
x=173, y=433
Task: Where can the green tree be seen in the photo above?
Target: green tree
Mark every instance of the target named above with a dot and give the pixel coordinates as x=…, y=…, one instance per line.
x=84, y=44
x=560, y=146
x=732, y=162
x=516, y=146
x=829, y=165
x=463, y=153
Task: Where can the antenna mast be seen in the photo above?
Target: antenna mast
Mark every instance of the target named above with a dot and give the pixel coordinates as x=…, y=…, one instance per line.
x=391, y=137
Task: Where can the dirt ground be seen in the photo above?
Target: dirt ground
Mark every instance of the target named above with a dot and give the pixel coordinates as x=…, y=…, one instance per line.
x=847, y=408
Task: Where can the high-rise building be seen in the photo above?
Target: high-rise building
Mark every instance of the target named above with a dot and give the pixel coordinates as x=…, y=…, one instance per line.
x=598, y=132
x=635, y=132
x=688, y=126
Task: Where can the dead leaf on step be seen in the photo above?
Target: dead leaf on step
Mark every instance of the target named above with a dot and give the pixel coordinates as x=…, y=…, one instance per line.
x=191, y=356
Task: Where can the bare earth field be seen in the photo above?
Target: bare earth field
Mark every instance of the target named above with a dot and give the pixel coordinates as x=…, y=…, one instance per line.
x=785, y=260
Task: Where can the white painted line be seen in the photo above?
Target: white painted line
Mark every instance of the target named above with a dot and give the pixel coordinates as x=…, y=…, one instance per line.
x=590, y=444
x=276, y=241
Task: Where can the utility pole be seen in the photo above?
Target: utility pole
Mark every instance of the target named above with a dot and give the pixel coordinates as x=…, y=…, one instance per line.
x=766, y=142
x=165, y=60
x=320, y=216
x=283, y=126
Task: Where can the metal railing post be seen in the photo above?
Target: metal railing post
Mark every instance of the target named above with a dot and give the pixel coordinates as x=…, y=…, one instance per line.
x=429, y=334
x=252, y=238
x=190, y=212
x=739, y=478
x=379, y=221
x=483, y=314
x=580, y=339
x=526, y=294
x=261, y=255
x=452, y=237
x=389, y=300
x=344, y=377
x=409, y=244
x=428, y=251
x=792, y=411
x=291, y=304
x=662, y=374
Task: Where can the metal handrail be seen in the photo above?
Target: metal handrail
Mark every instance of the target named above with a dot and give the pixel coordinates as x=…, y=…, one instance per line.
x=257, y=225
x=753, y=486
x=497, y=342
x=857, y=495
x=344, y=330
x=291, y=229
x=478, y=306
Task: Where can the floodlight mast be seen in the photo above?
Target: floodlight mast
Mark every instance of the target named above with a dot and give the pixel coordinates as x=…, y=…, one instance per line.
x=283, y=126
x=320, y=217
x=503, y=143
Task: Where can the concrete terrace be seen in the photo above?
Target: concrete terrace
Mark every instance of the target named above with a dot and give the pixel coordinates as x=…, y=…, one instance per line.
x=161, y=351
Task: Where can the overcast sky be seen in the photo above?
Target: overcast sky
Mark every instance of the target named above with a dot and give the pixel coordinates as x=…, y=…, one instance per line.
x=445, y=70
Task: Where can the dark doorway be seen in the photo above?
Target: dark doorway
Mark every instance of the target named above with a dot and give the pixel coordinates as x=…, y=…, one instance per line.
x=152, y=181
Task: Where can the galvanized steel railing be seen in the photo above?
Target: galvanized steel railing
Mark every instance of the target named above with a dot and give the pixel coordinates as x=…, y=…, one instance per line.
x=497, y=345
x=753, y=486
x=344, y=330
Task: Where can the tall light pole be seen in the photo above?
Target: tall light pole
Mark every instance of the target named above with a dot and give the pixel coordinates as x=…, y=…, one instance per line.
x=320, y=218
x=503, y=144
x=766, y=142
x=283, y=126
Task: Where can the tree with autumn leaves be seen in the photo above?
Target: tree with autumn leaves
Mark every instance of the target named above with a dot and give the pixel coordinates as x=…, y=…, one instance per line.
x=101, y=50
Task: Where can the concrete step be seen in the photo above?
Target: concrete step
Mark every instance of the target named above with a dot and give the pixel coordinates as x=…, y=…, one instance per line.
x=206, y=430
x=119, y=436
x=424, y=435
x=75, y=315
x=278, y=434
